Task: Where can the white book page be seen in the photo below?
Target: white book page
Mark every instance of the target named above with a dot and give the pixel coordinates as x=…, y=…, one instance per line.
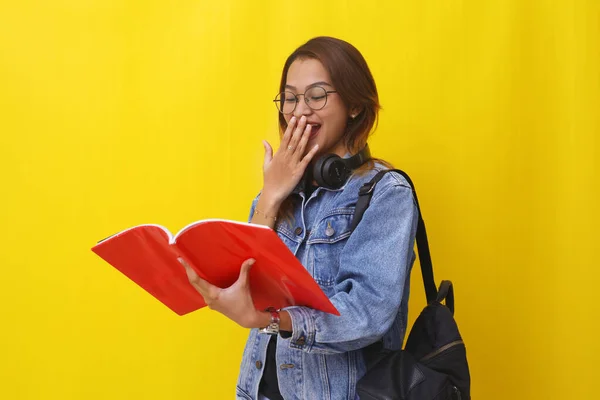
x=205, y=221
x=163, y=228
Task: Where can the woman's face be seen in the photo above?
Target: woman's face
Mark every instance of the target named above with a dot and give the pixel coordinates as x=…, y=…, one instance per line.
x=329, y=123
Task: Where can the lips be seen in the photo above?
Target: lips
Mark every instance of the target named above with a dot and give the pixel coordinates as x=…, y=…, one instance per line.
x=314, y=130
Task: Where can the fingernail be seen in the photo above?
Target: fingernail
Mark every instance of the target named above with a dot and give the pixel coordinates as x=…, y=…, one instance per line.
x=252, y=261
x=292, y=120
x=303, y=118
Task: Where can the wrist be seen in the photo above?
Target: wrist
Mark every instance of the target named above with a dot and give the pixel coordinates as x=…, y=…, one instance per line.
x=269, y=203
x=263, y=319
x=272, y=328
x=266, y=211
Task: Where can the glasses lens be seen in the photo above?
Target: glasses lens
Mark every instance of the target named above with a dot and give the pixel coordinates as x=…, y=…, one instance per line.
x=286, y=102
x=316, y=97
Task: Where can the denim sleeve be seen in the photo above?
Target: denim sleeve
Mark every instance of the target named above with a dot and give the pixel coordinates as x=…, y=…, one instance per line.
x=252, y=207
x=369, y=286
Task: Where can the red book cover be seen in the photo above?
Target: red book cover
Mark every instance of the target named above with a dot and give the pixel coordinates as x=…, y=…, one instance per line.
x=216, y=249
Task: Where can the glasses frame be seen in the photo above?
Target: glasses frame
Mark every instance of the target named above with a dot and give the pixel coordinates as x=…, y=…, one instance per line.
x=303, y=95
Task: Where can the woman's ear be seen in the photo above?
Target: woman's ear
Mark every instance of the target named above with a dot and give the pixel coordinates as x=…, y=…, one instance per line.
x=354, y=111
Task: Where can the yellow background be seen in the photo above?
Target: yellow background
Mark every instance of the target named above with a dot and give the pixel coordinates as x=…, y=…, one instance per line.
x=115, y=113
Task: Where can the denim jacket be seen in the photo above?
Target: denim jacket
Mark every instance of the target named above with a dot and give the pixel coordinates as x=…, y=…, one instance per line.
x=365, y=273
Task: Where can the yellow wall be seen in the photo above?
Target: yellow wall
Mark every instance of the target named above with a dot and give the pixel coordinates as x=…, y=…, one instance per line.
x=116, y=113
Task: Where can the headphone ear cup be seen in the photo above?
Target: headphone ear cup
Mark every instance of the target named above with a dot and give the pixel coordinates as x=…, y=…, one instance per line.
x=330, y=171
x=318, y=172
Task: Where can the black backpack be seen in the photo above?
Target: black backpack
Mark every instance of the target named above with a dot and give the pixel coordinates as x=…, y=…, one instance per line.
x=433, y=364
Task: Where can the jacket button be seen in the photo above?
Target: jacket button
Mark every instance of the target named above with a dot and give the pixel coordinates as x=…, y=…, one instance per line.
x=301, y=340
x=298, y=231
x=259, y=364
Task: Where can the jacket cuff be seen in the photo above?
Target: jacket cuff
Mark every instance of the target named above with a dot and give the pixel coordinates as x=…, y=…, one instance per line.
x=303, y=328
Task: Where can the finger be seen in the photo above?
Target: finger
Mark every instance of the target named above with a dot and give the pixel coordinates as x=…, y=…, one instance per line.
x=245, y=271
x=185, y=265
x=308, y=157
x=268, y=153
x=199, y=283
x=297, y=134
x=287, y=135
x=303, y=141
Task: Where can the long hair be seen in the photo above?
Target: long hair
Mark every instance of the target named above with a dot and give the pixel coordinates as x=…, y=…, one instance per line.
x=354, y=83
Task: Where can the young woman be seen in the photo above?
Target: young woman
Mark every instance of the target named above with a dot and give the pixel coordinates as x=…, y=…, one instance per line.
x=328, y=105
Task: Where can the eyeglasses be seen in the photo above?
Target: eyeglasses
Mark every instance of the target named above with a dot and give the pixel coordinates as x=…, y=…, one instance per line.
x=315, y=98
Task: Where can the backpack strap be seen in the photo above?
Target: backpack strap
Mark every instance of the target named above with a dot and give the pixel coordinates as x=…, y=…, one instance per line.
x=364, y=198
x=446, y=292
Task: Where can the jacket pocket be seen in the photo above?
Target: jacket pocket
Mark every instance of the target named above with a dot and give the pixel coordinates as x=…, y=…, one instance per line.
x=325, y=244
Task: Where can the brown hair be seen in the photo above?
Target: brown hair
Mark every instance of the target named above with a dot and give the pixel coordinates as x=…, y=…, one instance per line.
x=354, y=83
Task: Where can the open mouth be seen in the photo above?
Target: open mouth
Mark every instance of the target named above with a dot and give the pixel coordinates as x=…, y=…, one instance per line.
x=314, y=130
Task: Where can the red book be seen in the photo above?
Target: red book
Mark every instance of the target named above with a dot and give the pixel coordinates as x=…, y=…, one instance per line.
x=215, y=249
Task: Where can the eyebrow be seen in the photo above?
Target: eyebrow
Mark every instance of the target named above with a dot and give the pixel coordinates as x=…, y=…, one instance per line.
x=309, y=86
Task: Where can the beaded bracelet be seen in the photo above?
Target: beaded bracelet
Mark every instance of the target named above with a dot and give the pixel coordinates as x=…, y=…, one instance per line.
x=257, y=212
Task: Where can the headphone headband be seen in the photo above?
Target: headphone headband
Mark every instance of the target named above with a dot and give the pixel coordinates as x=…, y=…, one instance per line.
x=359, y=158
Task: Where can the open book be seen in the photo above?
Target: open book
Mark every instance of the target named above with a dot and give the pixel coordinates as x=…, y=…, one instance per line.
x=215, y=249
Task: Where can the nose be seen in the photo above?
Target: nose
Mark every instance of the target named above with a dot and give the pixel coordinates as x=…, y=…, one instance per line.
x=302, y=108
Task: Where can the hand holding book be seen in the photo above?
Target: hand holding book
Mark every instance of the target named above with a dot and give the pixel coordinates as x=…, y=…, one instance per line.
x=214, y=251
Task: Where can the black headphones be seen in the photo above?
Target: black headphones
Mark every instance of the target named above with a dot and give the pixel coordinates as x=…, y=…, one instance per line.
x=332, y=171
